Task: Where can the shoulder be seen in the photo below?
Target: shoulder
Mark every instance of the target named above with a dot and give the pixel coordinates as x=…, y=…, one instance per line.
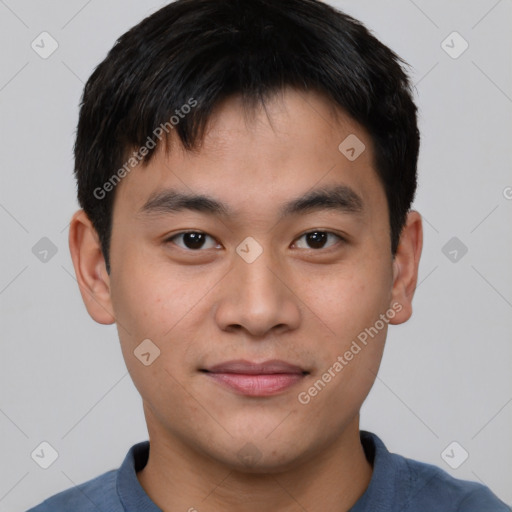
x=434, y=488
x=401, y=483
x=96, y=494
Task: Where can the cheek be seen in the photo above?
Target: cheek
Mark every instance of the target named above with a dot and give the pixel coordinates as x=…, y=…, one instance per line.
x=147, y=296
x=152, y=301
x=349, y=303
x=148, y=306
x=349, y=299
x=348, y=357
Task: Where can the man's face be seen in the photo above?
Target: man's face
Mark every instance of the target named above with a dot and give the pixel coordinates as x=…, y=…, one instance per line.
x=259, y=285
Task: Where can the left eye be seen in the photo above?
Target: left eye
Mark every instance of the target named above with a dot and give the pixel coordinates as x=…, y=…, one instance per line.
x=317, y=239
x=193, y=240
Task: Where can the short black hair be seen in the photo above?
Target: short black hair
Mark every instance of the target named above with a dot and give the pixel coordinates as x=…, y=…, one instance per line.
x=176, y=65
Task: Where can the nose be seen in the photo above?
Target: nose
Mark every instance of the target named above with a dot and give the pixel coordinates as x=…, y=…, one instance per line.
x=257, y=298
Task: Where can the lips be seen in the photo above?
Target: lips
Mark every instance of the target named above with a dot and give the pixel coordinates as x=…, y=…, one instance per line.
x=256, y=379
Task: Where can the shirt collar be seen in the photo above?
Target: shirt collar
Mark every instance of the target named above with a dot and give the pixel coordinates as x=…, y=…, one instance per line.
x=389, y=479
x=132, y=495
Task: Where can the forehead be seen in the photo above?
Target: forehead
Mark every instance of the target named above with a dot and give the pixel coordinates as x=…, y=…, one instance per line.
x=258, y=158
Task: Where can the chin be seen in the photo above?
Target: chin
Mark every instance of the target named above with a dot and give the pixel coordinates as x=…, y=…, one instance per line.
x=277, y=453
x=255, y=462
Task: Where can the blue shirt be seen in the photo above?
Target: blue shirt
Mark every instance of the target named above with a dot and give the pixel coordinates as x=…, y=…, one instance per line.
x=398, y=484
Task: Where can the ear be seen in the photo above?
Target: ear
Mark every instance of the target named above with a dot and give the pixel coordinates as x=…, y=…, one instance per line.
x=405, y=267
x=90, y=268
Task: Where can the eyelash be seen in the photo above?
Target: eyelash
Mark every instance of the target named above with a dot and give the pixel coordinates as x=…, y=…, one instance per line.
x=339, y=237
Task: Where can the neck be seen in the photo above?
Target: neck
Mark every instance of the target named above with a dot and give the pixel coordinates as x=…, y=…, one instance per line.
x=179, y=478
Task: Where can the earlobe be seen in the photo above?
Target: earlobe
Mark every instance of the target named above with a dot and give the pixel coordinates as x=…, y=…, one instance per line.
x=405, y=266
x=89, y=264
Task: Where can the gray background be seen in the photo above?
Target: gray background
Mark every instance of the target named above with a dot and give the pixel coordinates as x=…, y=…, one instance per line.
x=446, y=373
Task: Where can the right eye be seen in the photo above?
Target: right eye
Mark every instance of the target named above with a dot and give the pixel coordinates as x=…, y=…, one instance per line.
x=192, y=240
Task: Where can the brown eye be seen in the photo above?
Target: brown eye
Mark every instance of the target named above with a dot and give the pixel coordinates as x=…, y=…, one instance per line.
x=318, y=240
x=193, y=240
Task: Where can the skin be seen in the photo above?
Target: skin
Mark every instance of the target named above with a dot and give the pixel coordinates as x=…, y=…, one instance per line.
x=294, y=303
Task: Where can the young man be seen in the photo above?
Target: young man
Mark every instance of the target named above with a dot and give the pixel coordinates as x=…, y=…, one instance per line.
x=246, y=171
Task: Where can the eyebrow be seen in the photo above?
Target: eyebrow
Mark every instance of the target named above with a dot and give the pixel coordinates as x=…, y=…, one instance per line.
x=340, y=198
